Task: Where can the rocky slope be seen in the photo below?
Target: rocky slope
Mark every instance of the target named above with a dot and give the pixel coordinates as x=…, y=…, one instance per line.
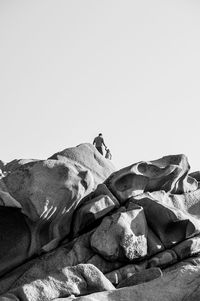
x=72, y=227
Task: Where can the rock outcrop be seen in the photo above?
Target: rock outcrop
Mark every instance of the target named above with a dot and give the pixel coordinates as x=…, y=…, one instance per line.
x=72, y=226
x=48, y=192
x=179, y=284
x=122, y=236
x=73, y=280
x=87, y=156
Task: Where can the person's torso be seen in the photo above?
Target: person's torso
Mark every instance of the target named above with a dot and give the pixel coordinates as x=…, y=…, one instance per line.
x=99, y=141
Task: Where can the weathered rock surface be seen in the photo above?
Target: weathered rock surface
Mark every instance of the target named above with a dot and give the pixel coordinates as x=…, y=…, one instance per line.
x=171, y=224
x=183, y=283
x=187, y=248
x=90, y=158
x=76, y=252
x=15, y=164
x=45, y=191
x=5, y=198
x=122, y=236
x=169, y=173
x=141, y=277
x=141, y=219
x=128, y=270
x=76, y=280
x=1, y=166
x=93, y=207
x=48, y=199
x=14, y=239
x=188, y=202
x=195, y=175
x=163, y=259
x=48, y=193
x=104, y=265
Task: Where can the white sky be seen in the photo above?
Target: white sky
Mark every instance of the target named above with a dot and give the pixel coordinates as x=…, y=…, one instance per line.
x=130, y=69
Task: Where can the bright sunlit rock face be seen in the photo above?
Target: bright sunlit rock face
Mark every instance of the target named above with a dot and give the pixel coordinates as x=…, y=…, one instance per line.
x=91, y=228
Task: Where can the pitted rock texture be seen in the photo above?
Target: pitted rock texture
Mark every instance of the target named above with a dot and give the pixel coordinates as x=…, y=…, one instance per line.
x=48, y=192
x=179, y=284
x=122, y=236
x=141, y=219
x=76, y=280
x=89, y=157
x=15, y=164
x=169, y=173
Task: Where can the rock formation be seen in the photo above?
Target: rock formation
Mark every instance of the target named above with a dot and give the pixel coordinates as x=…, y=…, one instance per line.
x=72, y=225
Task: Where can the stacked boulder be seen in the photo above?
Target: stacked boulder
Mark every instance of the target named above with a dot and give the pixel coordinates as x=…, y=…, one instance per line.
x=72, y=225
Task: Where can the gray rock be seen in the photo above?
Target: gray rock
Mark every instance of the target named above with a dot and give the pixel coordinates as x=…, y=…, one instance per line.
x=195, y=175
x=180, y=284
x=141, y=277
x=75, y=252
x=2, y=164
x=154, y=244
x=103, y=265
x=92, y=211
x=76, y=280
x=57, y=199
x=14, y=239
x=87, y=156
x=48, y=192
x=48, y=198
x=170, y=223
x=189, y=202
x=170, y=173
x=122, y=236
x=163, y=259
x=93, y=207
x=15, y=164
x=126, y=271
x=188, y=247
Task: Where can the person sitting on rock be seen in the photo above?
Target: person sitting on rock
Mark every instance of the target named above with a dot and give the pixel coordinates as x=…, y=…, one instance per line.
x=108, y=154
x=99, y=142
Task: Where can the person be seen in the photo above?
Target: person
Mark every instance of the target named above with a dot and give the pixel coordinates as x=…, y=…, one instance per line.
x=108, y=154
x=99, y=142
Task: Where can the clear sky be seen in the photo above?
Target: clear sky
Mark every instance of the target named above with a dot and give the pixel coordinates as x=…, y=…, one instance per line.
x=130, y=69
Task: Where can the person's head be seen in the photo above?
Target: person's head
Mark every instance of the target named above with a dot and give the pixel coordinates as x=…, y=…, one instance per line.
x=108, y=150
x=100, y=135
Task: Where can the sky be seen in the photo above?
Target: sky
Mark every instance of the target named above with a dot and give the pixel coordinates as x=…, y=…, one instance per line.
x=71, y=69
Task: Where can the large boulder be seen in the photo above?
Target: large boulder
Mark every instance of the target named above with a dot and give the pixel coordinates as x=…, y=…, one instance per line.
x=69, y=254
x=5, y=197
x=195, y=175
x=105, y=266
x=141, y=219
x=48, y=192
x=122, y=236
x=141, y=277
x=170, y=223
x=14, y=239
x=169, y=173
x=189, y=202
x=181, y=283
x=163, y=259
x=90, y=158
x=120, y=274
x=15, y=164
x=76, y=280
x=93, y=208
